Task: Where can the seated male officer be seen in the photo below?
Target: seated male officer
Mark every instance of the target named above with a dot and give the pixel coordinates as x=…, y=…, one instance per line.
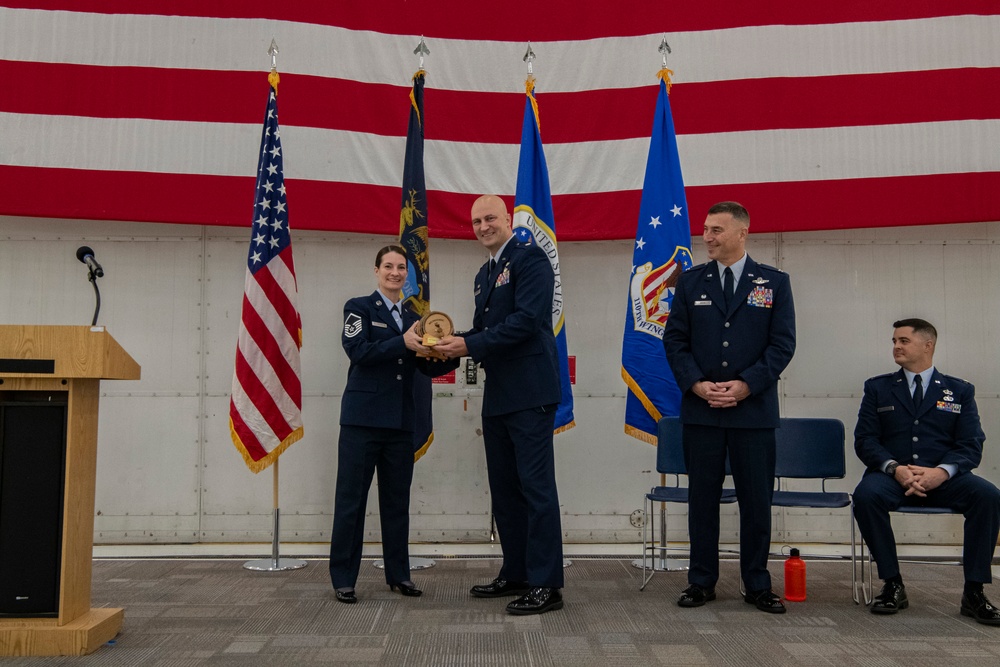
x=918, y=433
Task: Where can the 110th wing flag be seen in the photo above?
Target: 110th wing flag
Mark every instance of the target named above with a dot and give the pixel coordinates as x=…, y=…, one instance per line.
x=662, y=252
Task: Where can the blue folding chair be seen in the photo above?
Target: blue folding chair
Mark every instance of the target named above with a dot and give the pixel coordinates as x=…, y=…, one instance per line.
x=669, y=461
x=863, y=587
x=810, y=448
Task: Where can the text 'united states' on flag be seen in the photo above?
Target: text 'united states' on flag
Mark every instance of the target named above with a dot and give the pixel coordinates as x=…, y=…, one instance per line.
x=265, y=413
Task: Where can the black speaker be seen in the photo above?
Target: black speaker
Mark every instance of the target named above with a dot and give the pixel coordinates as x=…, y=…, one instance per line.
x=32, y=474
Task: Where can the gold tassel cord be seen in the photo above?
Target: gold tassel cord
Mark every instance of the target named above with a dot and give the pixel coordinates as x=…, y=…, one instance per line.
x=529, y=90
x=273, y=79
x=413, y=101
x=665, y=75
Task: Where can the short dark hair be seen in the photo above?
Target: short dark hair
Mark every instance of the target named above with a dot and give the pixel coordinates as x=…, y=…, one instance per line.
x=392, y=247
x=734, y=209
x=918, y=325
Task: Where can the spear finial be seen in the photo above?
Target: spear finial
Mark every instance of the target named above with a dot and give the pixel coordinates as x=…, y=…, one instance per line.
x=529, y=56
x=421, y=51
x=664, y=49
x=273, y=52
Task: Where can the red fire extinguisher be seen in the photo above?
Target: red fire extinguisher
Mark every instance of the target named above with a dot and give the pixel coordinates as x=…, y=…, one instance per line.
x=795, y=577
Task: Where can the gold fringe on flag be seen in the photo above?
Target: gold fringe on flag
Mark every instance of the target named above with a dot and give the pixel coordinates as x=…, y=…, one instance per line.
x=646, y=403
x=272, y=456
x=665, y=75
x=564, y=428
x=417, y=455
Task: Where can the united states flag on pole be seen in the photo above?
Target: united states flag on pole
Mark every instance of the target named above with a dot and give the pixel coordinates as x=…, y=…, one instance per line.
x=265, y=413
x=535, y=223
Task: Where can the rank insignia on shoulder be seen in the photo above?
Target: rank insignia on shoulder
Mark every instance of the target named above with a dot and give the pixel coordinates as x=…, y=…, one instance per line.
x=352, y=325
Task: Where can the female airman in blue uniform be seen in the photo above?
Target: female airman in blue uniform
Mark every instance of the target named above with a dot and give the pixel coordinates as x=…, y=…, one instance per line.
x=376, y=426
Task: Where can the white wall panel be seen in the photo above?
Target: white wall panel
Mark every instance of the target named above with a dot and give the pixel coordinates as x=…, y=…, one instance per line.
x=168, y=471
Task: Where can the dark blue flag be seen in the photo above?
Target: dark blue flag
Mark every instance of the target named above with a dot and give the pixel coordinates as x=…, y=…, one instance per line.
x=662, y=252
x=413, y=237
x=534, y=222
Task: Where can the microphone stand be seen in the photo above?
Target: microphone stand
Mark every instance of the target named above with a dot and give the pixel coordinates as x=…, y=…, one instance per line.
x=97, y=292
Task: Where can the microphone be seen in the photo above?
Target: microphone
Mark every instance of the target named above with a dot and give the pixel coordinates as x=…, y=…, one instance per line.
x=86, y=255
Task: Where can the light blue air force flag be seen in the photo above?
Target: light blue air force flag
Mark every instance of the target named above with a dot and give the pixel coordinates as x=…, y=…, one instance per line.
x=533, y=222
x=662, y=252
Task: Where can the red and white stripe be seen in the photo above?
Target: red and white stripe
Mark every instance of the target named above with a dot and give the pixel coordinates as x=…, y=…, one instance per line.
x=266, y=408
x=852, y=114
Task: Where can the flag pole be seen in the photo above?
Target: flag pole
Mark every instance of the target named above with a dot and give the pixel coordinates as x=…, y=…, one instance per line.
x=661, y=563
x=530, y=204
x=275, y=563
x=416, y=562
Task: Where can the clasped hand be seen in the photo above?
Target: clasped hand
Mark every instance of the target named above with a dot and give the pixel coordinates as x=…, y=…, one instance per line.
x=722, y=394
x=919, y=481
x=451, y=346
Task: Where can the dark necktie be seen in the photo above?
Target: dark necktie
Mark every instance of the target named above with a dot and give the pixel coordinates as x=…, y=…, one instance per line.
x=727, y=284
x=493, y=265
x=918, y=391
x=396, y=317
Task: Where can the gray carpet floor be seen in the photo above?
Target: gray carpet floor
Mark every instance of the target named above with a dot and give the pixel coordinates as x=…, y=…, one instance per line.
x=215, y=613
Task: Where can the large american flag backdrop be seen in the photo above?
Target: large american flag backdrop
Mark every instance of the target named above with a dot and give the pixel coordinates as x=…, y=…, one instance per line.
x=814, y=115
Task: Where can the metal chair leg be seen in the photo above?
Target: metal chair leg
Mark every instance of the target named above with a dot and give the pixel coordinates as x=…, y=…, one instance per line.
x=647, y=542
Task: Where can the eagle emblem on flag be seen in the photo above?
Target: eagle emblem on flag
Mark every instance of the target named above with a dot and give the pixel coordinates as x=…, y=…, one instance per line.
x=652, y=290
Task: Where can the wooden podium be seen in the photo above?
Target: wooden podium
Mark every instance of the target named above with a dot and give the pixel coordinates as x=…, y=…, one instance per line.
x=67, y=362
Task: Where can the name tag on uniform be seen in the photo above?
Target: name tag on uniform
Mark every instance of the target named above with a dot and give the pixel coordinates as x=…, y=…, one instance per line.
x=703, y=303
x=478, y=290
x=949, y=407
x=381, y=325
x=886, y=408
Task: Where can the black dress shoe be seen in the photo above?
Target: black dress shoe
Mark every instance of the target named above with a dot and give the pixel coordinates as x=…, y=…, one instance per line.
x=765, y=600
x=407, y=589
x=536, y=601
x=978, y=607
x=499, y=588
x=892, y=599
x=695, y=596
x=347, y=597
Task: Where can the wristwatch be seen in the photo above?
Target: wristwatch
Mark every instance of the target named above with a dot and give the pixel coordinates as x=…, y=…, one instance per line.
x=890, y=469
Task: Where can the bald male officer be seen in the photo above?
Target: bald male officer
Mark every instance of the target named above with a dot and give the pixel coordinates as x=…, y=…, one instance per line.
x=730, y=334
x=919, y=435
x=512, y=338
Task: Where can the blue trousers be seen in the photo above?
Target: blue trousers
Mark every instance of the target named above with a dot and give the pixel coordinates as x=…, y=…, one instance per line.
x=361, y=451
x=751, y=453
x=976, y=498
x=521, y=468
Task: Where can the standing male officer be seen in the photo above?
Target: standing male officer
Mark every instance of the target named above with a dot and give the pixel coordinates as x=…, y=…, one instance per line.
x=730, y=334
x=918, y=433
x=512, y=337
